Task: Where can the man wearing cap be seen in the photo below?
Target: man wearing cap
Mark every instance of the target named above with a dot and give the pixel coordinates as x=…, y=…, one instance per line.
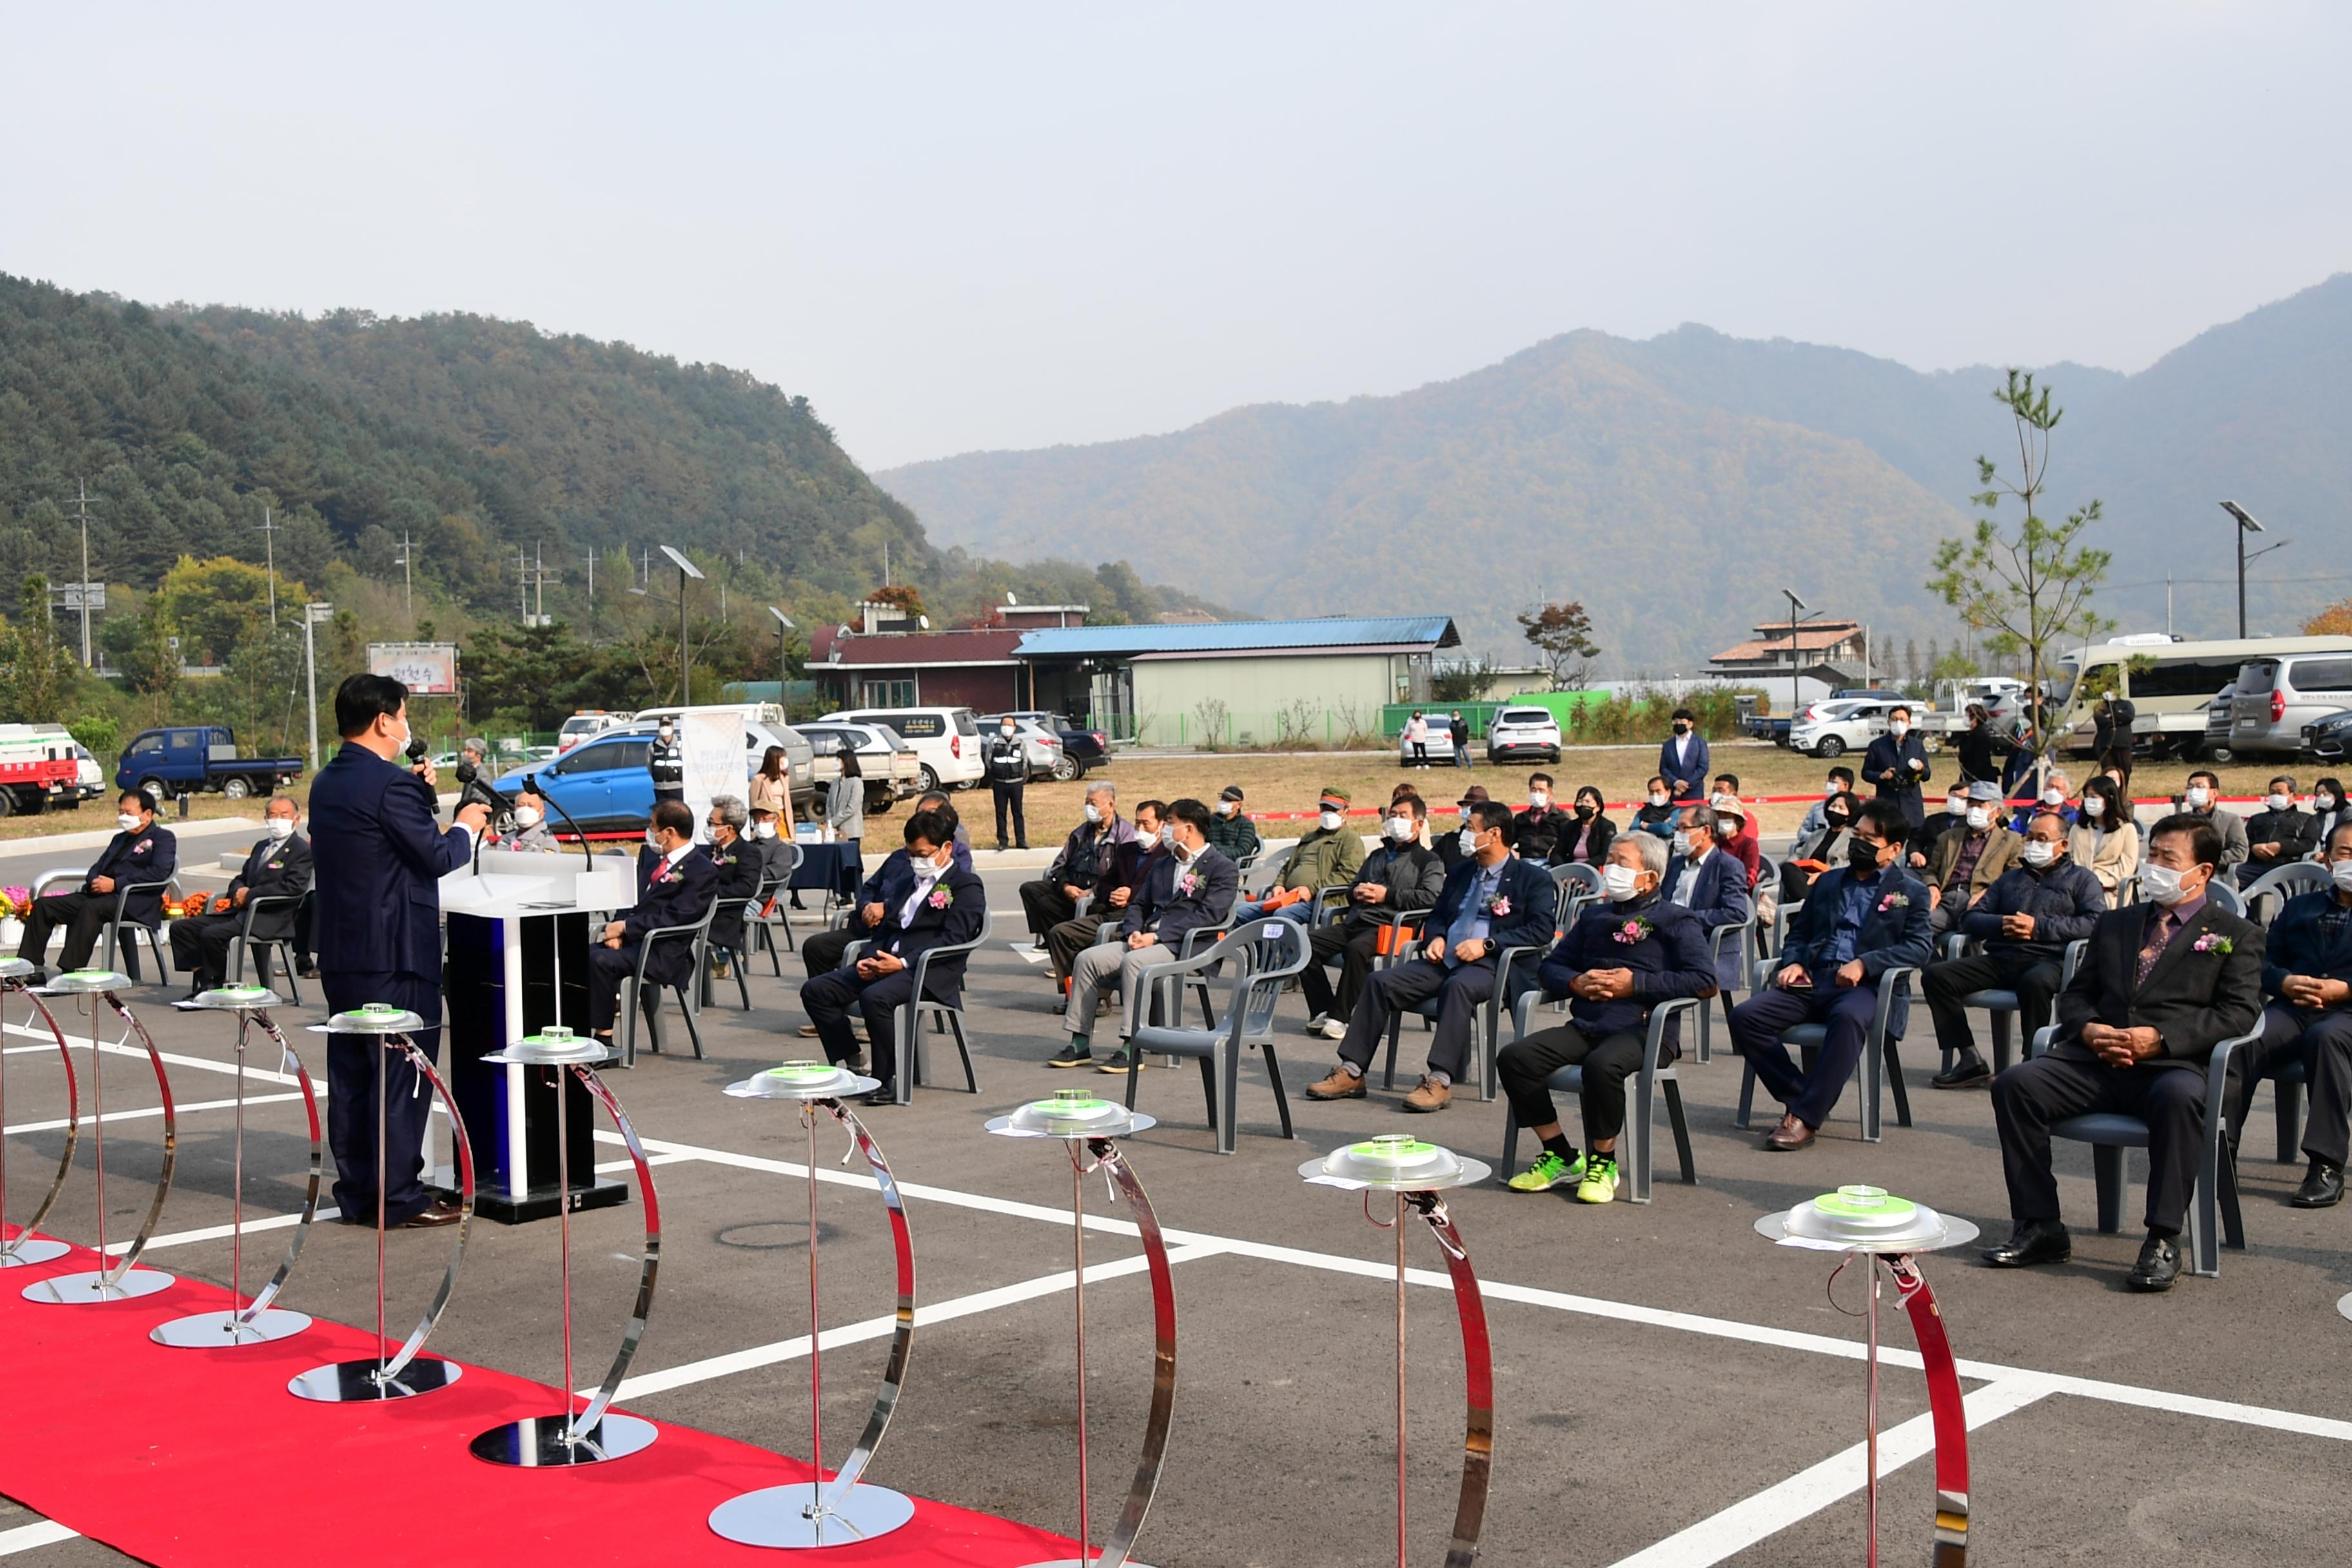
x=1449, y=846
x=1328, y=856
x=1231, y=831
x=2024, y=921
x=1970, y=858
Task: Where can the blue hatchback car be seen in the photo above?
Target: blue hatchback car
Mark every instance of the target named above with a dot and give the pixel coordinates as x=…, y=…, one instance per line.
x=602, y=783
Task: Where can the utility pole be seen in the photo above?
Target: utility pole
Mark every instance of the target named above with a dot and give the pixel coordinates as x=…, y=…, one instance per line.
x=539, y=583
x=81, y=502
x=523, y=583
x=312, y=615
x=407, y=564
x=269, y=532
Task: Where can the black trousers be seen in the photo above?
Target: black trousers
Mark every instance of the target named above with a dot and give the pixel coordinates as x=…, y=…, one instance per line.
x=1071, y=938
x=1525, y=1067
x=1045, y=905
x=2031, y=1095
x=823, y=951
x=200, y=945
x=2035, y=980
x=1807, y=1094
x=2323, y=1043
x=828, y=999
x=354, y=1065
x=608, y=967
x=1460, y=990
x=1009, y=794
x=1354, y=951
x=84, y=915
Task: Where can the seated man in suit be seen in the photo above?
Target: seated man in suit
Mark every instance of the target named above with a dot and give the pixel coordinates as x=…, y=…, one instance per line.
x=821, y=951
x=2279, y=835
x=1124, y=868
x=740, y=867
x=1622, y=958
x=1398, y=878
x=674, y=886
x=1053, y=897
x=2307, y=975
x=1859, y=920
x=1189, y=886
x=1492, y=899
x=143, y=850
x=941, y=903
x=277, y=868
x=2163, y=984
x=1707, y=881
x=2024, y=921
x=1967, y=860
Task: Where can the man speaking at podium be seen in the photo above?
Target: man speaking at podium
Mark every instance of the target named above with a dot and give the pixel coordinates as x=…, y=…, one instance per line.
x=380, y=856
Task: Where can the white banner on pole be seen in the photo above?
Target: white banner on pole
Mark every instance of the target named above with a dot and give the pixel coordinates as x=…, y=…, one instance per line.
x=710, y=740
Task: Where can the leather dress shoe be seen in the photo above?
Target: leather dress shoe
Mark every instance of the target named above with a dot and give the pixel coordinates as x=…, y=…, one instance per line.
x=2033, y=1241
x=883, y=1096
x=2158, y=1264
x=434, y=1218
x=2323, y=1186
x=1967, y=1073
x=1790, y=1134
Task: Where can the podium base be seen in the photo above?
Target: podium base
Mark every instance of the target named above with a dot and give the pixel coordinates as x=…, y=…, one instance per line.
x=781, y=1516
x=538, y=1442
x=537, y=1203
x=355, y=1382
x=89, y=1288
x=225, y=1330
x=31, y=1250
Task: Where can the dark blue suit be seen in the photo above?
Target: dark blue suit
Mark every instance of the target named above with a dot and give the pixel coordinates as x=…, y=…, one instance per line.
x=1524, y=902
x=821, y=953
x=2311, y=935
x=668, y=895
x=1881, y=922
x=1888, y=755
x=1720, y=897
x=380, y=857
x=274, y=870
x=937, y=922
x=1686, y=781
x=150, y=855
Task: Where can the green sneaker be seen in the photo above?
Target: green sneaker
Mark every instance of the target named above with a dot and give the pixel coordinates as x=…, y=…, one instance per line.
x=1549, y=1171
x=1599, y=1183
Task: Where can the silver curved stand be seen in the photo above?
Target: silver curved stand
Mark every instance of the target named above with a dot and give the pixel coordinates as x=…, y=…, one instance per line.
x=811, y=1513
x=123, y=1281
x=28, y=1246
x=401, y=1375
x=256, y=1321
x=592, y=1435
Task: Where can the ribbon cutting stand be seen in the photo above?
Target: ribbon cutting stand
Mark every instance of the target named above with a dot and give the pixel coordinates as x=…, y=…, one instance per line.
x=1086, y=1124
x=1889, y=1231
x=1416, y=1172
x=27, y=1247
x=593, y=1434
x=400, y=1375
x=810, y=1513
x=122, y=1282
x=254, y=1322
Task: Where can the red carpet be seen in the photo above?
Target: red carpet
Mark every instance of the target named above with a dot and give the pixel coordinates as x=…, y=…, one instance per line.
x=203, y=1457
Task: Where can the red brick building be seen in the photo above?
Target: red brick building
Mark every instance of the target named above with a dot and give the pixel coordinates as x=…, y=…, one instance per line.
x=893, y=662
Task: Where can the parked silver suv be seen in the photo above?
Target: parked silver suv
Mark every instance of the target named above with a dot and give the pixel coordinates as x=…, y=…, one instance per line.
x=2278, y=695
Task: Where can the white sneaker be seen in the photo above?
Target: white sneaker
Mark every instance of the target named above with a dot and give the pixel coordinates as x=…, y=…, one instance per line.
x=1333, y=1029
x=1317, y=1022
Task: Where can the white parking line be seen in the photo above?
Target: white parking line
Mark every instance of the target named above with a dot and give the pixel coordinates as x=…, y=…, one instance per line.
x=151, y=1112
x=26, y=1537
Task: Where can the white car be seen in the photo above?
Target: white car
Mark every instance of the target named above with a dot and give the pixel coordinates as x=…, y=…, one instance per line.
x=1833, y=728
x=946, y=739
x=587, y=722
x=1523, y=735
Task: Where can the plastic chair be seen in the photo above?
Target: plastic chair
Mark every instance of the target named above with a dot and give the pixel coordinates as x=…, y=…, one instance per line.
x=245, y=942
x=1715, y=940
x=636, y=998
x=1639, y=1158
x=775, y=911
x=1486, y=1024
x=1263, y=953
x=736, y=962
x=2273, y=887
x=1881, y=1063
x=2226, y=896
x=2109, y=1133
x=1577, y=885
x=2004, y=1006
x=906, y=1019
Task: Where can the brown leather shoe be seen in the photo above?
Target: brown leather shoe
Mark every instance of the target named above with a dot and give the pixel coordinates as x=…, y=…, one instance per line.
x=1429, y=1095
x=435, y=1217
x=1341, y=1085
x=1790, y=1134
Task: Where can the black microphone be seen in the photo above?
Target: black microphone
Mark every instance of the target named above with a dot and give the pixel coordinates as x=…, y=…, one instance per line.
x=531, y=782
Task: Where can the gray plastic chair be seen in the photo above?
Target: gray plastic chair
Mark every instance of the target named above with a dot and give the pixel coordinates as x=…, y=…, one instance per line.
x=776, y=890
x=1486, y=1024
x=1635, y=1143
x=635, y=998
x=1881, y=1063
x=2269, y=892
x=261, y=948
x=906, y=1019
x=2109, y=1133
x=2004, y=1006
x=1259, y=956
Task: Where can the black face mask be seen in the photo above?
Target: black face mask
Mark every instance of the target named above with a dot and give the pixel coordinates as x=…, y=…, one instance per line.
x=1862, y=857
x=1839, y=822
x=1583, y=810
x=1682, y=729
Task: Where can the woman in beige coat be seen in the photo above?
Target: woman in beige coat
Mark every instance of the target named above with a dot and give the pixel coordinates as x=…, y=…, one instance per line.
x=2104, y=837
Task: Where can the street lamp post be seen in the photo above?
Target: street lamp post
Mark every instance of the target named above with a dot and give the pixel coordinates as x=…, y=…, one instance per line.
x=2246, y=524
x=784, y=650
x=1796, y=664
x=312, y=614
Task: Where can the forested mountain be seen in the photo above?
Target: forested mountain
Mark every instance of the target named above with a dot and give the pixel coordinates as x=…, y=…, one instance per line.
x=1711, y=468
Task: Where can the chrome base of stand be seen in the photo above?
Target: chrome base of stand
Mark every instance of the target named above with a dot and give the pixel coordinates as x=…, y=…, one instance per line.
x=357, y=1382
x=89, y=1289
x=32, y=1249
x=2344, y=1306
x=225, y=1331
x=784, y=1516
x=541, y=1442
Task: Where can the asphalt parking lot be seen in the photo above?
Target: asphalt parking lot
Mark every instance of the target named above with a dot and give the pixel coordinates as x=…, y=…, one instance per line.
x=1670, y=1389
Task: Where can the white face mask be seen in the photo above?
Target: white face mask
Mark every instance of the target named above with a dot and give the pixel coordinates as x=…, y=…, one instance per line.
x=2279, y=802
x=1682, y=843
x=1618, y=882
x=1538, y=799
x=2093, y=806
x=2322, y=801
x=1005, y=731
x=1468, y=840
x=1899, y=729
x=1957, y=805
x=1168, y=836
x=1979, y=816
x=1400, y=828
x=763, y=830
x=2054, y=796
x=2342, y=871
x=1227, y=808
x=527, y=816
x=1329, y=821
x=2038, y=852
x=1094, y=812
x=128, y=823
x=653, y=837
x=1656, y=798
x=2197, y=798
x=1830, y=788
x=281, y=828
x=2162, y=884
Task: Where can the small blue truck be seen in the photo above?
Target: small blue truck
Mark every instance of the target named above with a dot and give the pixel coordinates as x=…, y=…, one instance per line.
x=196, y=759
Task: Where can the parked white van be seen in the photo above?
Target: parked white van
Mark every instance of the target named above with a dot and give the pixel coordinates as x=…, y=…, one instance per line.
x=946, y=739
x=2171, y=692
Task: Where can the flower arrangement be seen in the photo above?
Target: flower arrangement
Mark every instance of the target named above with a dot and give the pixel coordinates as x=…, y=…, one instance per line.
x=1498, y=907
x=2213, y=941
x=1188, y=884
x=1632, y=931
x=16, y=902
x=1894, y=901
x=940, y=898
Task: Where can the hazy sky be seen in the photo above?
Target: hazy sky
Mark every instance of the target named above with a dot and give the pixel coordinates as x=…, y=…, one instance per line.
x=965, y=227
